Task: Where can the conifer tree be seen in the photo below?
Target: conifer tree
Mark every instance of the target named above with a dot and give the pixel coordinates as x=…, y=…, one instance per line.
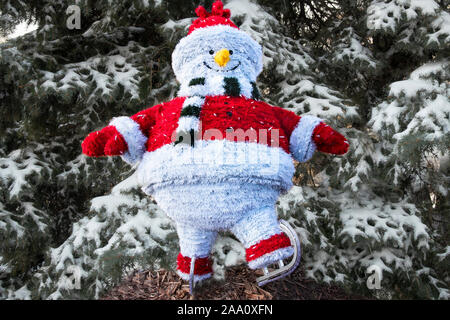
x=376, y=70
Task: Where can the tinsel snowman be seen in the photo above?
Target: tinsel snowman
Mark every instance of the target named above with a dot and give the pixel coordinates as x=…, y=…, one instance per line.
x=217, y=157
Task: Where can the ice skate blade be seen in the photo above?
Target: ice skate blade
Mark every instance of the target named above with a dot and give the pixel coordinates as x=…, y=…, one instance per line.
x=284, y=270
x=191, y=277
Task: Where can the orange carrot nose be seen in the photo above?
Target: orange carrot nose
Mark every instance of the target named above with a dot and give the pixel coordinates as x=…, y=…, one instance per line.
x=222, y=57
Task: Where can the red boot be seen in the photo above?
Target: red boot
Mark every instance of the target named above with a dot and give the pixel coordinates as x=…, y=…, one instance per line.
x=202, y=268
x=268, y=251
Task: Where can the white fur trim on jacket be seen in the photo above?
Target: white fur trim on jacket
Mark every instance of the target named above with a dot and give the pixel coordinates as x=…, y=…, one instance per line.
x=214, y=162
x=302, y=146
x=133, y=136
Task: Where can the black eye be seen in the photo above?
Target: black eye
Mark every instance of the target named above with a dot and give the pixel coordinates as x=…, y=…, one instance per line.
x=231, y=51
x=211, y=51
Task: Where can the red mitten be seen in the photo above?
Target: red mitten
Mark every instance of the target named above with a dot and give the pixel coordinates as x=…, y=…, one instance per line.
x=106, y=142
x=329, y=140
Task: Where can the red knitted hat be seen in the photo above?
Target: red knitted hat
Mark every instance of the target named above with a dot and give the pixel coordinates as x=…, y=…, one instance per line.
x=218, y=16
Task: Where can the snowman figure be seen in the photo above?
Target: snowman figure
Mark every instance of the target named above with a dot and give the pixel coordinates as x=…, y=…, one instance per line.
x=217, y=157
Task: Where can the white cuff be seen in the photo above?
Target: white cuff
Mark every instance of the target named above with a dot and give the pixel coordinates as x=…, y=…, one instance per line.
x=133, y=136
x=197, y=278
x=302, y=146
x=271, y=257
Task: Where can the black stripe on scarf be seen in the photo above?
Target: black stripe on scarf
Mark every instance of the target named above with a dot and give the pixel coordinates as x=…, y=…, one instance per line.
x=255, y=92
x=190, y=110
x=197, y=81
x=232, y=87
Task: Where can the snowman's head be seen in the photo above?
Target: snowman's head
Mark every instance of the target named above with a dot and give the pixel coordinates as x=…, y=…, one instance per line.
x=216, y=48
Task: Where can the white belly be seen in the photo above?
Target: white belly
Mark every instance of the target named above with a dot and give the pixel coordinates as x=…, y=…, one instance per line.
x=216, y=162
x=214, y=206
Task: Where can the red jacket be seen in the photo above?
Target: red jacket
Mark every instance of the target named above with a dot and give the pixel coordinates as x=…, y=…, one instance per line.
x=149, y=136
x=158, y=124
x=220, y=113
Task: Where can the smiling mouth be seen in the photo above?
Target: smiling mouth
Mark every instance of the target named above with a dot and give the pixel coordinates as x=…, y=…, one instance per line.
x=234, y=68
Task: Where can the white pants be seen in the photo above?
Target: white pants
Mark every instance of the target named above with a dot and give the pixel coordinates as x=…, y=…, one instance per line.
x=200, y=211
